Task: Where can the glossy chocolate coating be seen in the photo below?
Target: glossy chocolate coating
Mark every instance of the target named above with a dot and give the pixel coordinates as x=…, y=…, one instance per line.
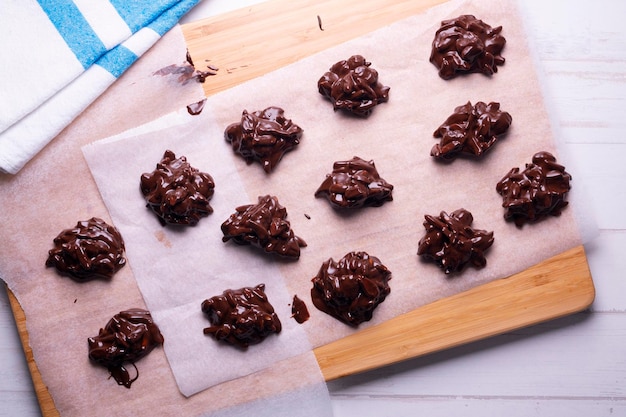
x=196, y=108
x=470, y=130
x=263, y=225
x=355, y=183
x=263, y=136
x=352, y=85
x=177, y=192
x=126, y=338
x=467, y=45
x=299, y=310
x=536, y=192
x=451, y=243
x=351, y=288
x=93, y=249
x=241, y=317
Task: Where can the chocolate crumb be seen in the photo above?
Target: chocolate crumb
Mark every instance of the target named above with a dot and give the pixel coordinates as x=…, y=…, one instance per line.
x=195, y=109
x=299, y=310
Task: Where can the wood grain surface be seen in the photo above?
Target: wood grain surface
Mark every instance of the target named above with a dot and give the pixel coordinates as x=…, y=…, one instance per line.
x=253, y=41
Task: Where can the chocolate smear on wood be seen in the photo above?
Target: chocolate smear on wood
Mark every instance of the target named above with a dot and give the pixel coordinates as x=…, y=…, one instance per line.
x=319, y=22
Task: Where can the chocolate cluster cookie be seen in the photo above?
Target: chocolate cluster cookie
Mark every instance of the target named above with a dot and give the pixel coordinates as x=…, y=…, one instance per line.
x=127, y=337
x=467, y=45
x=92, y=249
x=264, y=225
x=536, y=192
x=355, y=183
x=452, y=243
x=241, y=317
x=351, y=288
x=470, y=130
x=352, y=85
x=264, y=136
x=176, y=192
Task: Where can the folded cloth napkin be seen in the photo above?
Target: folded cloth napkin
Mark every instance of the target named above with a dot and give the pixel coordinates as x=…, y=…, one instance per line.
x=58, y=56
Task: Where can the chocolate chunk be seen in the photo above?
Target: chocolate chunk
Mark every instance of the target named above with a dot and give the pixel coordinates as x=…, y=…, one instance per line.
x=177, y=192
x=536, y=192
x=467, y=45
x=264, y=225
x=299, y=311
x=241, y=317
x=93, y=249
x=470, y=130
x=126, y=338
x=263, y=136
x=451, y=243
x=355, y=183
x=196, y=108
x=352, y=85
x=352, y=288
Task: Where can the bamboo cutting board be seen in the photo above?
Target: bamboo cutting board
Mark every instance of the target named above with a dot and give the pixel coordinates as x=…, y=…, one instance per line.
x=251, y=42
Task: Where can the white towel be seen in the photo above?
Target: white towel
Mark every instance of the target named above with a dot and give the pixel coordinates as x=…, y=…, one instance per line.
x=58, y=56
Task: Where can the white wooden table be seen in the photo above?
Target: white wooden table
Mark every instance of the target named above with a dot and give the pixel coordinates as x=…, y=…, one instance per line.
x=575, y=366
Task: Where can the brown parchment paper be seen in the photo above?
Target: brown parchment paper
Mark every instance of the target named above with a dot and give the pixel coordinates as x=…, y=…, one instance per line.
x=397, y=136
x=54, y=191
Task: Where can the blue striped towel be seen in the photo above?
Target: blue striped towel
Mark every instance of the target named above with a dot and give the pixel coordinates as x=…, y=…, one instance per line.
x=58, y=56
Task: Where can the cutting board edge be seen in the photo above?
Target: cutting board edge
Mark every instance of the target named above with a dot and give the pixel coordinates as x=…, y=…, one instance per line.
x=554, y=288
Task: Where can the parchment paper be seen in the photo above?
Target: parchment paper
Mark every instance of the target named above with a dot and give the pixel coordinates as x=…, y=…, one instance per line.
x=179, y=267
x=52, y=193
x=397, y=136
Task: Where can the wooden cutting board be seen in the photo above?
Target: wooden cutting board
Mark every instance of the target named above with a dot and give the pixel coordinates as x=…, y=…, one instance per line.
x=253, y=41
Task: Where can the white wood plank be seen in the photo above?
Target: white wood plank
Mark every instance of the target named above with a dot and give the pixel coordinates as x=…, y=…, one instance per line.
x=581, y=356
x=18, y=404
x=16, y=386
x=600, y=171
x=607, y=264
x=471, y=406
